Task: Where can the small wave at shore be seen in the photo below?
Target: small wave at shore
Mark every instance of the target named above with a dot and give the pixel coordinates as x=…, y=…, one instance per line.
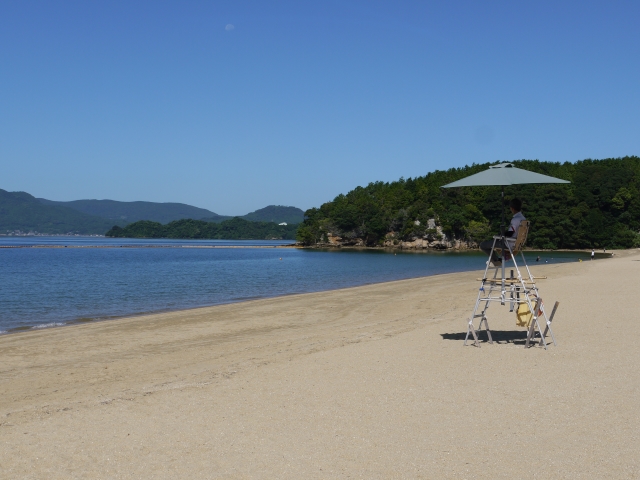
x=48, y=325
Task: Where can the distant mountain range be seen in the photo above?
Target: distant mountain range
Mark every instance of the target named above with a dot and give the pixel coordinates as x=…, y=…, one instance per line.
x=129, y=212
x=20, y=211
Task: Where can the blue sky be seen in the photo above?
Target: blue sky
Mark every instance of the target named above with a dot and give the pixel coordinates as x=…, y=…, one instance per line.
x=234, y=105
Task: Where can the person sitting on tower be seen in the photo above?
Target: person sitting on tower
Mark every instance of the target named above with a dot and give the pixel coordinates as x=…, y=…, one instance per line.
x=511, y=234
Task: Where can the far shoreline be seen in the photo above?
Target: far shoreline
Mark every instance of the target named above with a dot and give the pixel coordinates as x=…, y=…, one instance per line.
x=447, y=250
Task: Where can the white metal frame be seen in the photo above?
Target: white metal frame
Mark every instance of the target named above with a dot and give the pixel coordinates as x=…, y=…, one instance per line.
x=515, y=288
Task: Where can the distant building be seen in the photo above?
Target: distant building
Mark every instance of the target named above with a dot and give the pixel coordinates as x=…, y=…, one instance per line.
x=283, y=223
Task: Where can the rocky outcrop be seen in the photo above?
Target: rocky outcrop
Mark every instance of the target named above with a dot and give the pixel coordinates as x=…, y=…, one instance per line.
x=432, y=239
x=337, y=241
x=334, y=239
x=415, y=244
x=428, y=242
x=424, y=243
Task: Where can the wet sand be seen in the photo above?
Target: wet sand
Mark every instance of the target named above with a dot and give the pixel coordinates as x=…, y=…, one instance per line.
x=366, y=382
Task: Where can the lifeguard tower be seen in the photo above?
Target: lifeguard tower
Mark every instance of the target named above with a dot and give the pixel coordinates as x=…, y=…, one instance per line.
x=517, y=290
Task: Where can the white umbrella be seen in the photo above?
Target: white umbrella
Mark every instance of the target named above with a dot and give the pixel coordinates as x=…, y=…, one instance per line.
x=501, y=175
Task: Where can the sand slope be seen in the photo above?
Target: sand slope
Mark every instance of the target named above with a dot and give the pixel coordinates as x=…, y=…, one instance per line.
x=368, y=382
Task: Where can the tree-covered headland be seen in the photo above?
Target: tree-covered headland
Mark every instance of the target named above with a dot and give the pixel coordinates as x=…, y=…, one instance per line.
x=599, y=208
x=234, y=229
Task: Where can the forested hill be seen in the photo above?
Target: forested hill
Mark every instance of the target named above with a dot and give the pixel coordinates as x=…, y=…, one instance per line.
x=271, y=213
x=276, y=214
x=600, y=208
x=22, y=212
x=126, y=212
x=234, y=229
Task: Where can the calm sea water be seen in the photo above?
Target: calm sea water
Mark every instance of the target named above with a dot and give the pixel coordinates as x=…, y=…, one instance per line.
x=44, y=287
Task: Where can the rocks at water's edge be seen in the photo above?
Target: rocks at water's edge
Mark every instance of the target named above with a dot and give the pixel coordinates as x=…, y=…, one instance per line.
x=435, y=239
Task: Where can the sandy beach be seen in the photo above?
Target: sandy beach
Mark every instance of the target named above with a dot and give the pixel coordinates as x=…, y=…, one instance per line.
x=366, y=382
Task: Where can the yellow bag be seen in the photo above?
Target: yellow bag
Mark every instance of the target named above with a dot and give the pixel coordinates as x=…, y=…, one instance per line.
x=523, y=315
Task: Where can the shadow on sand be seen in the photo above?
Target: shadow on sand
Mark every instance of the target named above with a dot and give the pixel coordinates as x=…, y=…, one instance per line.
x=518, y=337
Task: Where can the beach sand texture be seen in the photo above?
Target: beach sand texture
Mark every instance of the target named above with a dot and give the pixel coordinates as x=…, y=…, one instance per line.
x=366, y=382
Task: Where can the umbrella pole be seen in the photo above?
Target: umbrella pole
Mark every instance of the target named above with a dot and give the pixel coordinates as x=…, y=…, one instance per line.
x=504, y=244
x=502, y=225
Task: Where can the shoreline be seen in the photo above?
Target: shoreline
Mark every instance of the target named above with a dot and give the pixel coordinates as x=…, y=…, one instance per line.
x=444, y=250
x=60, y=323
x=132, y=316
x=88, y=321
x=370, y=380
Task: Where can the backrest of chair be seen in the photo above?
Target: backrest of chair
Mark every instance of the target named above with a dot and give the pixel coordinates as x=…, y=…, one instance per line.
x=521, y=239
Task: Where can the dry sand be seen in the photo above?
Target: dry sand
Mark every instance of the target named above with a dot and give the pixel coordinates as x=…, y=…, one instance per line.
x=367, y=382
